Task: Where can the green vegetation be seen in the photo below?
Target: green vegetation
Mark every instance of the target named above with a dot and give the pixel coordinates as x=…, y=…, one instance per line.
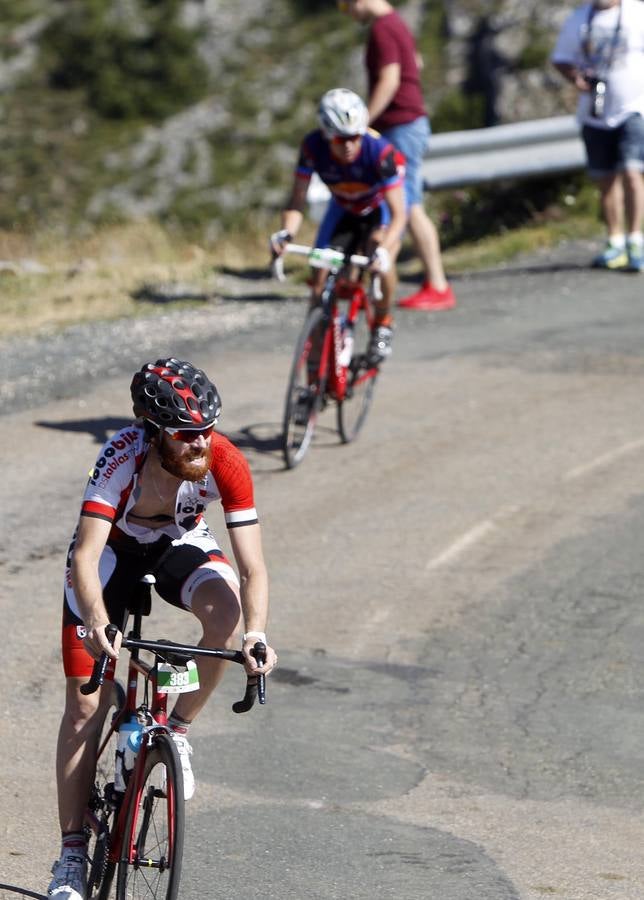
x=143, y=67
x=457, y=111
x=107, y=83
x=491, y=210
x=537, y=49
x=431, y=44
x=12, y=13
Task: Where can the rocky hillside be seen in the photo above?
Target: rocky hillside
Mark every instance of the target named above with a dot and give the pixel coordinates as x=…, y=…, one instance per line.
x=205, y=132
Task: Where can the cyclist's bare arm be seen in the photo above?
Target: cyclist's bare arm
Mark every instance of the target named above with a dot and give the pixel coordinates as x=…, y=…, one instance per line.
x=387, y=239
x=293, y=214
x=395, y=200
x=246, y=543
x=90, y=542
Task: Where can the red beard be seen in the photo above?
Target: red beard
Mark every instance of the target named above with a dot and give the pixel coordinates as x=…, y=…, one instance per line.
x=193, y=465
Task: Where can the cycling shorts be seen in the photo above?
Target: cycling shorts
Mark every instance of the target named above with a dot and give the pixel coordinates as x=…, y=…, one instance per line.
x=345, y=231
x=179, y=566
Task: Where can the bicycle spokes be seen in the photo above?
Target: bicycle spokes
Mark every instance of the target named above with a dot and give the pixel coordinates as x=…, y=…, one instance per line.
x=151, y=857
x=361, y=378
x=305, y=394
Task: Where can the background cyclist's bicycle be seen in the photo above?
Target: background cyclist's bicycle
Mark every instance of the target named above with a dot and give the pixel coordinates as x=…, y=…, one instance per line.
x=333, y=359
x=135, y=815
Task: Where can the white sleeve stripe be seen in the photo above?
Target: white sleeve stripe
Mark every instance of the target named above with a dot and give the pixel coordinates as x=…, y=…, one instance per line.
x=241, y=515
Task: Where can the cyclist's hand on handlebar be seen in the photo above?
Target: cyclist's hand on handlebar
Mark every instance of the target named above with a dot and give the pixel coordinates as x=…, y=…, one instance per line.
x=278, y=241
x=380, y=260
x=96, y=642
x=250, y=663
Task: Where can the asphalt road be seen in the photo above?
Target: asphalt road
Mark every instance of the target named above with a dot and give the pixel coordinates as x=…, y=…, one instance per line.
x=456, y=601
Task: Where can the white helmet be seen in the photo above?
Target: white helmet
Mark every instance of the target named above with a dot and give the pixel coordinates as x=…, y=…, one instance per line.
x=341, y=112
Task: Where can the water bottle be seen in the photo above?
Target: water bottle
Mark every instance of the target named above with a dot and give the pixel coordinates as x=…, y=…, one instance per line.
x=347, y=344
x=129, y=741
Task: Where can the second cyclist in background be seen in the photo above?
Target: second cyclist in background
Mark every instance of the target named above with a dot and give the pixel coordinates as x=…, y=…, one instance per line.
x=366, y=213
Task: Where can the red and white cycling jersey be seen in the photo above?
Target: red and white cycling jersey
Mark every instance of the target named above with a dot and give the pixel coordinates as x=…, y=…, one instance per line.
x=182, y=553
x=112, y=489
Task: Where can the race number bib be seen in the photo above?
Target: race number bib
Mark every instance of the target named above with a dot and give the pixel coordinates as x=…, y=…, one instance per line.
x=177, y=679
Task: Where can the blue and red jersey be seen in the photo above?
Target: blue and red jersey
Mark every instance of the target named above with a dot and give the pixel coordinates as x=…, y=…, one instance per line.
x=359, y=186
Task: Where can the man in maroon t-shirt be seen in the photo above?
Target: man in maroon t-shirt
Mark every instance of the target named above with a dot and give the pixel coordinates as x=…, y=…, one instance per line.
x=397, y=109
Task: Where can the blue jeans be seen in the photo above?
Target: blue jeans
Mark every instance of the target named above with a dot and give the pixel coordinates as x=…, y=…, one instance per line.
x=412, y=139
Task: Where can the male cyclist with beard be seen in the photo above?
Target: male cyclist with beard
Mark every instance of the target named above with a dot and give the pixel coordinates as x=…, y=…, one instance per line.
x=142, y=512
x=366, y=213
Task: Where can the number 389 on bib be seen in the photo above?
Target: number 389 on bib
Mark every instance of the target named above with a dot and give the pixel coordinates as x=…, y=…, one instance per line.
x=177, y=679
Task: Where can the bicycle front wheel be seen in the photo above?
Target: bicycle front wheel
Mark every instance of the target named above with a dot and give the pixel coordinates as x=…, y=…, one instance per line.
x=306, y=387
x=360, y=384
x=154, y=826
x=103, y=806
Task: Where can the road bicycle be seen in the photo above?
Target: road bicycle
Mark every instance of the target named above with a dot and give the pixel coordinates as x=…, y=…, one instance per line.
x=136, y=833
x=331, y=360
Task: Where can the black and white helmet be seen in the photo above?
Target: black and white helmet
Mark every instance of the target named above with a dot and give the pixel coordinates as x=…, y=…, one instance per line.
x=172, y=393
x=343, y=113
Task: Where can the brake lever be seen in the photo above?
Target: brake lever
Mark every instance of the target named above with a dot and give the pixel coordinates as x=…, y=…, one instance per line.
x=259, y=652
x=255, y=685
x=100, y=666
x=277, y=268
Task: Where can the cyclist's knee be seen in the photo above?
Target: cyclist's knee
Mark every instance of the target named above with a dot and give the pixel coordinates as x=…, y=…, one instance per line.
x=216, y=605
x=80, y=710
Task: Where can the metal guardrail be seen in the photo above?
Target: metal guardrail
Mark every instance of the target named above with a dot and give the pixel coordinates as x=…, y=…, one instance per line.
x=521, y=150
x=462, y=158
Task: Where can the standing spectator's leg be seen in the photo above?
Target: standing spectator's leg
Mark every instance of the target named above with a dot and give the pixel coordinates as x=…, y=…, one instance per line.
x=603, y=167
x=427, y=243
x=634, y=212
x=633, y=183
x=631, y=156
x=611, y=199
x=435, y=294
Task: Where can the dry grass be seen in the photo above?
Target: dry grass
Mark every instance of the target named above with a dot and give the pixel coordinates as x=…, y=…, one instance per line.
x=49, y=281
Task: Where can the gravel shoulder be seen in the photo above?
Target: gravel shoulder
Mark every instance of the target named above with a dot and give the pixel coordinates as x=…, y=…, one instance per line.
x=54, y=364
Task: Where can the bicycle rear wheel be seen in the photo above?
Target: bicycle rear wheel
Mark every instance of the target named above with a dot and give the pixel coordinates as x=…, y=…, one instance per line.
x=154, y=827
x=104, y=802
x=306, y=387
x=361, y=382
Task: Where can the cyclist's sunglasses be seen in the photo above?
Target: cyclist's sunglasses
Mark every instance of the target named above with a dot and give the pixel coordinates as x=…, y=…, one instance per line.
x=345, y=138
x=188, y=435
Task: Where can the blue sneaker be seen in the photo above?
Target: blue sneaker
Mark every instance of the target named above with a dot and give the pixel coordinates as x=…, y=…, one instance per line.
x=635, y=257
x=611, y=258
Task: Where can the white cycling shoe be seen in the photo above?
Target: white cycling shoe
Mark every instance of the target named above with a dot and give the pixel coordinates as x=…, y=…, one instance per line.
x=185, y=752
x=70, y=877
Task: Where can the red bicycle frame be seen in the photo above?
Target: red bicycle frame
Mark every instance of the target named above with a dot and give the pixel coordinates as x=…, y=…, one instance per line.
x=121, y=820
x=354, y=292
x=158, y=710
